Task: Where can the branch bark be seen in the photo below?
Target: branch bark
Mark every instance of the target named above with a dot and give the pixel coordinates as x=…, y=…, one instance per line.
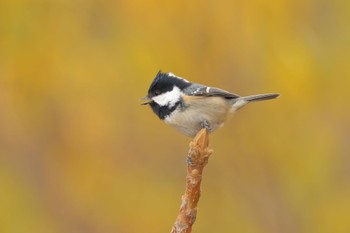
x=197, y=158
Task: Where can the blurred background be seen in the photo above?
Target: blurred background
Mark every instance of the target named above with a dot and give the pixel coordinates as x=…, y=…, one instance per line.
x=78, y=154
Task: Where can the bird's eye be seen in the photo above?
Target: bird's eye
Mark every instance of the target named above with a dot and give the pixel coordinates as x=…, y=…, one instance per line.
x=157, y=92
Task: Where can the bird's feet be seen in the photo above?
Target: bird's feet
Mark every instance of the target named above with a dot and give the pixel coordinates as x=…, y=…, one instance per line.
x=205, y=124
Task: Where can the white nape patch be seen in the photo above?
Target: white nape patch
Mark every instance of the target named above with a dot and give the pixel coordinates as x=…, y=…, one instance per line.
x=169, y=98
x=173, y=75
x=238, y=104
x=207, y=89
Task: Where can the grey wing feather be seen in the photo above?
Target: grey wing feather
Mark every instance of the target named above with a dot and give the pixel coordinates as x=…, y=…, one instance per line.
x=200, y=90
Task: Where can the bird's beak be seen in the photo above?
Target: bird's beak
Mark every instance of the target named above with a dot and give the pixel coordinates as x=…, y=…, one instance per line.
x=146, y=100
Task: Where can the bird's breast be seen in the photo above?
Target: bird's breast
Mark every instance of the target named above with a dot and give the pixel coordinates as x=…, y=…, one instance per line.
x=188, y=117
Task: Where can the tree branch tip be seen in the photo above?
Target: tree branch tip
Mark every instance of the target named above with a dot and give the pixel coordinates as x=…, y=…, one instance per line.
x=202, y=138
x=208, y=152
x=197, y=158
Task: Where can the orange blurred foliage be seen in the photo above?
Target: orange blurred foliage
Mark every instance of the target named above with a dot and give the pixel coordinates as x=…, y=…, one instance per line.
x=79, y=154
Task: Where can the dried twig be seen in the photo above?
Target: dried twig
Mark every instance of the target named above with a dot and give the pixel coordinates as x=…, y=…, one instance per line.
x=197, y=158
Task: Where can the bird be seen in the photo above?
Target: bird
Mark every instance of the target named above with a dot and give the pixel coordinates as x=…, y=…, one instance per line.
x=189, y=107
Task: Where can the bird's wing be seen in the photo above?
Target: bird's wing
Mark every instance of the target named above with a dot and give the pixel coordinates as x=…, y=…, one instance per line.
x=200, y=90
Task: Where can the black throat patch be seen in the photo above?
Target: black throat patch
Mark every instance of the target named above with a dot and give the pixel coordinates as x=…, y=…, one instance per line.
x=163, y=111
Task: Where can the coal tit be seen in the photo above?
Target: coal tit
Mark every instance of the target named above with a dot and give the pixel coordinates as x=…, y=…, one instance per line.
x=189, y=107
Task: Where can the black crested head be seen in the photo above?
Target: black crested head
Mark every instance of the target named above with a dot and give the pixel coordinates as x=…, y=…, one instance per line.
x=164, y=82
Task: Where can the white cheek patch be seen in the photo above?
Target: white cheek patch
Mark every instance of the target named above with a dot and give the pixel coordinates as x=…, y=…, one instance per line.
x=169, y=98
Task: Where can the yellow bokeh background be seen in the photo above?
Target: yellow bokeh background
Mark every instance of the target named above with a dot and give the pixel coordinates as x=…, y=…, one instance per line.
x=79, y=154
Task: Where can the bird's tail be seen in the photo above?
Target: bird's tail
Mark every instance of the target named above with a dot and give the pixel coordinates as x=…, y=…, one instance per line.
x=247, y=99
x=260, y=97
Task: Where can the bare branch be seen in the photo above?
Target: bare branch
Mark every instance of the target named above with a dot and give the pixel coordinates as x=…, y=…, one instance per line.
x=197, y=158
